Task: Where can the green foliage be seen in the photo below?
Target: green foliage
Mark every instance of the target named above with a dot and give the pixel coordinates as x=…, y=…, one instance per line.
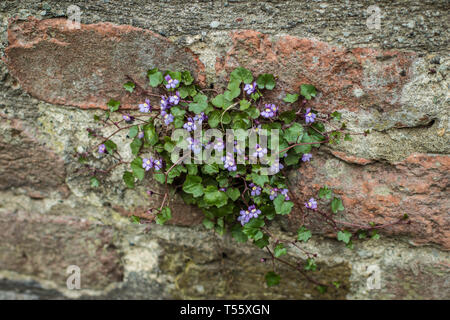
x=222, y=194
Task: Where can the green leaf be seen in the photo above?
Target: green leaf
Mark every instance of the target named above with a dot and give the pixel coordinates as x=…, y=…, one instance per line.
x=291, y=98
x=266, y=80
x=294, y=133
x=336, y=115
x=242, y=74
x=94, y=182
x=252, y=228
x=160, y=177
x=292, y=159
x=336, y=205
x=187, y=78
x=113, y=105
x=234, y=90
x=215, y=197
x=233, y=193
x=193, y=185
x=211, y=169
x=214, y=118
x=110, y=146
x=337, y=284
x=177, y=112
x=263, y=242
x=306, y=148
x=220, y=101
x=310, y=264
x=200, y=104
x=238, y=235
x=282, y=206
x=325, y=193
x=135, y=219
x=344, y=236
x=128, y=178
x=244, y=104
x=186, y=91
x=134, y=130
x=321, y=289
x=258, y=179
x=155, y=77
x=192, y=169
x=348, y=137
x=308, y=91
x=375, y=235
x=208, y=223
x=303, y=234
x=136, y=167
x=150, y=134
x=287, y=116
x=135, y=146
x=164, y=216
x=129, y=86
x=272, y=279
x=253, y=112
x=280, y=250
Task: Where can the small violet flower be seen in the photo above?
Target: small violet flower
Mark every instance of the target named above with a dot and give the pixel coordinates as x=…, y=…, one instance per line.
x=273, y=193
x=141, y=135
x=250, y=88
x=200, y=118
x=171, y=83
x=269, y=111
x=174, y=100
x=276, y=167
x=101, y=148
x=311, y=204
x=127, y=118
x=194, y=145
x=284, y=192
x=260, y=152
x=145, y=107
x=165, y=103
x=255, y=190
x=246, y=215
x=147, y=163
x=306, y=157
x=157, y=164
x=190, y=125
x=229, y=163
x=309, y=116
x=167, y=117
x=219, y=146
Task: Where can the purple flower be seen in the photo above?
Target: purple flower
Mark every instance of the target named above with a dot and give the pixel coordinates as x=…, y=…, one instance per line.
x=273, y=193
x=165, y=104
x=259, y=151
x=250, y=88
x=200, y=118
x=194, y=145
x=284, y=192
x=269, y=111
x=276, y=167
x=219, y=146
x=127, y=118
x=306, y=157
x=145, y=107
x=101, y=148
x=309, y=116
x=311, y=204
x=246, y=215
x=190, y=125
x=147, y=164
x=141, y=135
x=223, y=189
x=255, y=190
x=171, y=83
x=174, y=100
x=167, y=117
x=228, y=162
x=236, y=148
x=157, y=164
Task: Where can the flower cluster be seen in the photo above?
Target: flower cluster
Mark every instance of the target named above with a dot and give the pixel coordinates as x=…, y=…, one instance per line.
x=269, y=111
x=254, y=189
x=148, y=163
x=229, y=163
x=311, y=204
x=309, y=116
x=246, y=215
x=171, y=83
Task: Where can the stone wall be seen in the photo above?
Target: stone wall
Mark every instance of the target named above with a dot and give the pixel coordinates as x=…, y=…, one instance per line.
x=393, y=81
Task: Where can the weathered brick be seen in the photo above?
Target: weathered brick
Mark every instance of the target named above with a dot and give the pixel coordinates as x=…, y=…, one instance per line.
x=86, y=67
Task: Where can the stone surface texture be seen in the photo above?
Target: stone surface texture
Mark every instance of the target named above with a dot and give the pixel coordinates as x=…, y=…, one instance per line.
x=392, y=81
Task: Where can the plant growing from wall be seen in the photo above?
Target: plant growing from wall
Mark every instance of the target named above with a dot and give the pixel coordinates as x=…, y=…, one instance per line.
x=246, y=187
